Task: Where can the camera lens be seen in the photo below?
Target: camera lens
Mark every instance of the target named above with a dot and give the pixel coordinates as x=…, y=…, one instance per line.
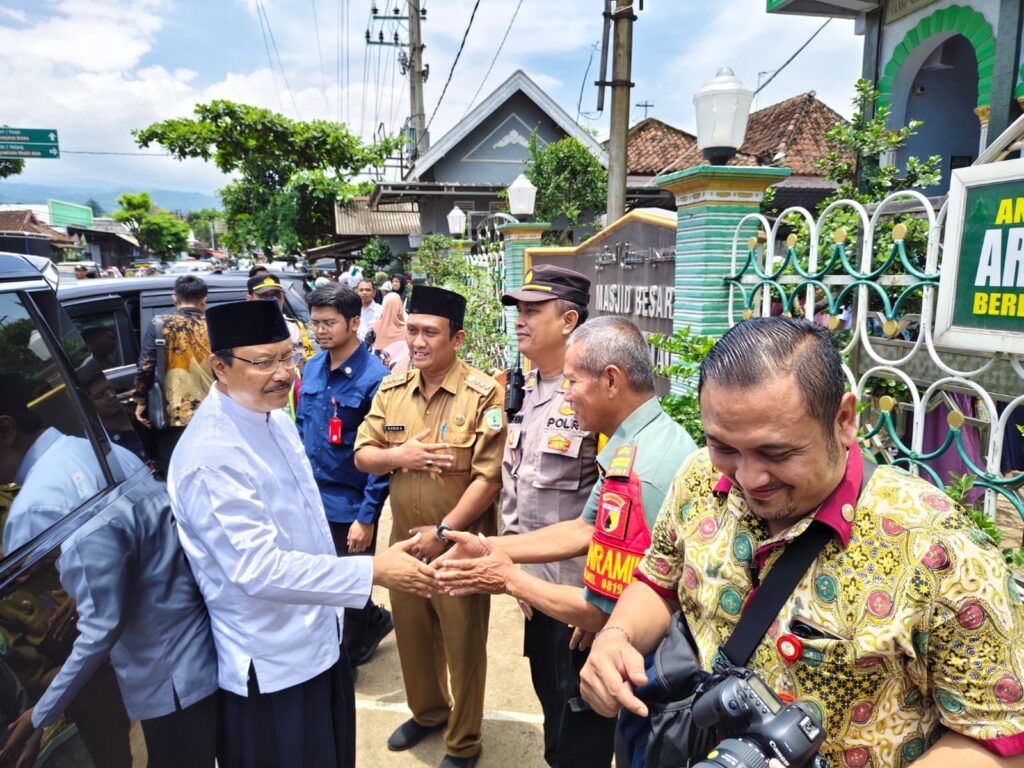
x=734, y=753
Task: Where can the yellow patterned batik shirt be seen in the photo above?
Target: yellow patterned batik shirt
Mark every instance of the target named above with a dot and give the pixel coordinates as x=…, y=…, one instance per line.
x=909, y=619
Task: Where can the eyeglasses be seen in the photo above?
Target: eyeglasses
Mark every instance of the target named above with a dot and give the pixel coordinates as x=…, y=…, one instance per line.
x=269, y=366
x=327, y=325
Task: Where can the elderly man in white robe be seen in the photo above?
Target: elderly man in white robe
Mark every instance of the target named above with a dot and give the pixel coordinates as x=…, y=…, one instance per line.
x=253, y=528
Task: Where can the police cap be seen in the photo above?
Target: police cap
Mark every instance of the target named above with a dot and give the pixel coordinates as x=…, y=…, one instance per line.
x=545, y=282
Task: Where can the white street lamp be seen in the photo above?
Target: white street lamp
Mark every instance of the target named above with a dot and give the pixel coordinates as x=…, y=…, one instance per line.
x=522, y=196
x=415, y=240
x=722, y=105
x=456, y=221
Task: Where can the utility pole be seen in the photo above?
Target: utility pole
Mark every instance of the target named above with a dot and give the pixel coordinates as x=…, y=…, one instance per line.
x=417, y=76
x=622, y=65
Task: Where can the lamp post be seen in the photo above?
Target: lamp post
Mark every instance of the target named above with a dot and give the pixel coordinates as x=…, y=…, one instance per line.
x=415, y=240
x=522, y=197
x=711, y=201
x=722, y=106
x=518, y=236
x=456, y=222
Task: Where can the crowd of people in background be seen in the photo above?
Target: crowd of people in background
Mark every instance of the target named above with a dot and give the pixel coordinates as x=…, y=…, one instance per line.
x=576, y=494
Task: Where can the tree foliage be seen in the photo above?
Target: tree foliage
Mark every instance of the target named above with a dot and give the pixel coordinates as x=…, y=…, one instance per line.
x=484, y=323
x=855, y=163
x=202, y=222
x=570, y=182
x=159, y=232
x=11, y=168
x=135, y=207
x=290, y=172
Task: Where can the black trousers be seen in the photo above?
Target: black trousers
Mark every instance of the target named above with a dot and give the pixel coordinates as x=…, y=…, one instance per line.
x=186, y=738
x=574, y=735
x=310, y=725
x=166, y=440
x=356, y=619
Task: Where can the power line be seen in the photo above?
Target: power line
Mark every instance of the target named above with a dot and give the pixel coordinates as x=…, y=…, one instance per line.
x=320, y=55
x=454, y=63
x=125, y=154
x=496, y=54
x=797, y=53
x=280, y=63
x=583, y=85
x=270, y=59
x=785, y=64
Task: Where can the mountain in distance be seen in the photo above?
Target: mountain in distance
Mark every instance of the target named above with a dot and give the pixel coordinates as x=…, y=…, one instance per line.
x=13, y=191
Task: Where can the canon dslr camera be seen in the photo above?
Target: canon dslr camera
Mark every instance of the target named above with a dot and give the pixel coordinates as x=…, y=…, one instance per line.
x=756, y=725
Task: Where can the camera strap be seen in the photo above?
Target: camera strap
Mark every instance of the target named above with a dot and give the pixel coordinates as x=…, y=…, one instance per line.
x=778, y=585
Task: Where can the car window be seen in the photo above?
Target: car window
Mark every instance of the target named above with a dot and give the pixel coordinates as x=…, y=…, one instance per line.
x=107, y=333
x=48, y=463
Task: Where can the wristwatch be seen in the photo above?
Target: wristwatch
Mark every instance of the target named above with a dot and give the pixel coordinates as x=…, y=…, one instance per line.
x=441, y=528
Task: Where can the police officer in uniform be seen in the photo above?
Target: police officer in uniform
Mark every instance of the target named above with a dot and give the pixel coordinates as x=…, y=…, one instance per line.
x=438, y=431
x=548, y=472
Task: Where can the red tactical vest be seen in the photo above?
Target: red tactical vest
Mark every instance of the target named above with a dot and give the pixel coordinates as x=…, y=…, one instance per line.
x=621, y=536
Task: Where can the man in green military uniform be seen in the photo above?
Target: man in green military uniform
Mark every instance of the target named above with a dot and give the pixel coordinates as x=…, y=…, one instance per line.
x=438, y=431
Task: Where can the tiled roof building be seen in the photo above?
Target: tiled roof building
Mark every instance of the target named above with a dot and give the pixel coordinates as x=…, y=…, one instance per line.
x=790, y=134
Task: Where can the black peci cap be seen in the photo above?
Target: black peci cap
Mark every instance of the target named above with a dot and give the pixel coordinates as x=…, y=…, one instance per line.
x=428, y=300
x=545, y=282
x=245, y=324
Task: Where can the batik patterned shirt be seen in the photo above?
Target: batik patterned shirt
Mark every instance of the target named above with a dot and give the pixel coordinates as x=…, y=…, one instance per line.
x=911, y=622
x=188, y=376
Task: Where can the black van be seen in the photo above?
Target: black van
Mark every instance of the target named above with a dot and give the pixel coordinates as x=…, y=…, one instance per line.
x=64, y=485
x=124, y=307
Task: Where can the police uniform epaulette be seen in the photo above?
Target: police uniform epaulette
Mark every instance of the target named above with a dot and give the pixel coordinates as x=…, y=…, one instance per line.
x=394, y=379
x=481, y=385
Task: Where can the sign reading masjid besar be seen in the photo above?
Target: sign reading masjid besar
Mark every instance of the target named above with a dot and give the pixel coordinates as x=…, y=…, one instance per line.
x=981, y=292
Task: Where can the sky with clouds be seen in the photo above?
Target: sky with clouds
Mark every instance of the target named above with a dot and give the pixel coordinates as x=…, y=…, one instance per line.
x=95, y=69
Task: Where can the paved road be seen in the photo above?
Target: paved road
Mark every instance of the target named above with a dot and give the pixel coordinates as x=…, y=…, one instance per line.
x=512, y=721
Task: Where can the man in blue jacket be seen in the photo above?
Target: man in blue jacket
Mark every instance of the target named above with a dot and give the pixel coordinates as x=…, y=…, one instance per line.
x=338, y=385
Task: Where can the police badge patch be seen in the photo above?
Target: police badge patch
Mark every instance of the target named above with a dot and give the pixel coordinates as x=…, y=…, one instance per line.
x=494, y=418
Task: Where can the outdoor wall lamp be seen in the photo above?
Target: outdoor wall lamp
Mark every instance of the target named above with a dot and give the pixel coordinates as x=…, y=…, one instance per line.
x=722, y=106
x=522, y=196
x=456, y=221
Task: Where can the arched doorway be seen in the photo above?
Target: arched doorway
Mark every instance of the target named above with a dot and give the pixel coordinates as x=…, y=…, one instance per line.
x=942, y=68
x=943, y=95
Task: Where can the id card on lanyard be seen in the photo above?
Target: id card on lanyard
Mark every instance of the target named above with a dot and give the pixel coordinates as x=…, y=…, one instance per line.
x=334, y=426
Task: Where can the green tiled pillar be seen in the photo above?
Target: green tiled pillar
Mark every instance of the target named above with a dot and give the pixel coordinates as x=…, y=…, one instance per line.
x=517, y=238
x=710, y=201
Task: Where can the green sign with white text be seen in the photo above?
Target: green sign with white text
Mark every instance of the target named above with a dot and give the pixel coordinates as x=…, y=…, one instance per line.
x=989, y=292
x=29, y=143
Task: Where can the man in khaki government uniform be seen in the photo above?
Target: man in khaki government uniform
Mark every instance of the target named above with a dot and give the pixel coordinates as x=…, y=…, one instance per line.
x=548, y=473
x=439, y=431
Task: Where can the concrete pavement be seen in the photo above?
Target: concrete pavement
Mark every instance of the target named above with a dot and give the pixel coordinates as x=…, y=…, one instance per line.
x=512, y=734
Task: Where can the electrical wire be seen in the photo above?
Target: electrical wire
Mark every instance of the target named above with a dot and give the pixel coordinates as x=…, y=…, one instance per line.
x=122, y=154
x=320, y=55
x=366, y=58
x=583, y=85
x=454, y=63
x=784, y=65
x=270, y=59
x=496, y=54
x=280, y=63
x=790, y=59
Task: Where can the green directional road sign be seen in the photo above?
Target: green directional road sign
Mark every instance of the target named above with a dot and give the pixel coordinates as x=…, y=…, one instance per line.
x=22, y=143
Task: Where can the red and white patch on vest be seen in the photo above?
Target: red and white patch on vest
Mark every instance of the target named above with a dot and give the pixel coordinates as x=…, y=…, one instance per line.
x=614, y=514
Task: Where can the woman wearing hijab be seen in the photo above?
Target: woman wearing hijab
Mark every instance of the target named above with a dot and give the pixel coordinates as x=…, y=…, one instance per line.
x=388, y=333
x=398, y=286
